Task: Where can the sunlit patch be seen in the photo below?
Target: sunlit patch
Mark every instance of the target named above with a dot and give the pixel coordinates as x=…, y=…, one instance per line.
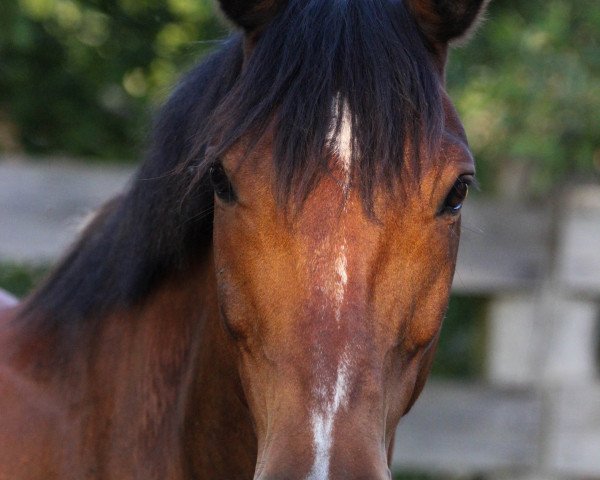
x=341, y=280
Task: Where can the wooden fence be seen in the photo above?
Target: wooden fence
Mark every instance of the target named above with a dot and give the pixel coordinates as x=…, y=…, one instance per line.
x=536, y=415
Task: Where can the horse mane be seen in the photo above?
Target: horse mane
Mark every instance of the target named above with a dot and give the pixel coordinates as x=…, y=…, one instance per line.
x=158, y=228
x=321, y=62
x=318, y=60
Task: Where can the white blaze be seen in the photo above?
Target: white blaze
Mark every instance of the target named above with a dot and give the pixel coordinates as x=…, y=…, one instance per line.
x=340, y=138
x=329, y=399
x=322, y=420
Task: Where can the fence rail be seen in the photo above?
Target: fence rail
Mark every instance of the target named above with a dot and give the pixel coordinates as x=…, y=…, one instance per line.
x=537, y=414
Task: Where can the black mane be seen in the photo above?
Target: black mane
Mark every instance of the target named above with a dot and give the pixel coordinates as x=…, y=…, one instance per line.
x=317, y=58
x=369, y=54
x=157, y=228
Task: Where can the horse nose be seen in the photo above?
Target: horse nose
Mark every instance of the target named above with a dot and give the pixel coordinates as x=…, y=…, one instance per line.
x=355, y=474
x=354, y=469
x=346, y=476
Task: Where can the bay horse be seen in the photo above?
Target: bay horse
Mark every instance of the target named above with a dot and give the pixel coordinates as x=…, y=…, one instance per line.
x=265, y=299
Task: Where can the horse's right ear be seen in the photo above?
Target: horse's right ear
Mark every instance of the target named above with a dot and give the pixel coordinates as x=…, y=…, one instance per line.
x=443, y=21
x=251, y=15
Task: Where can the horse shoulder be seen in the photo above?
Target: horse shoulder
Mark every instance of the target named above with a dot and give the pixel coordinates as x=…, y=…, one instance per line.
x=27, y=443
x=29, y=438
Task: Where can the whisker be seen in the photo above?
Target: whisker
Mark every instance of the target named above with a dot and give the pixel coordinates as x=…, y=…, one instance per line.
x=200, y=215
x=457, y=275
x=168, y=174
x=473, y=229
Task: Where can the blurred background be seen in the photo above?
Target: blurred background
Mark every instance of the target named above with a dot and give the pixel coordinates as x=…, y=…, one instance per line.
x=515, y=392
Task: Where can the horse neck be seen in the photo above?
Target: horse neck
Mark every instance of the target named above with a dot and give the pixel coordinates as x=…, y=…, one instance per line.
x=160, y=384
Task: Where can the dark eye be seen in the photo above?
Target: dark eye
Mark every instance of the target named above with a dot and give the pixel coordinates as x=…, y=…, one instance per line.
x=454, y=201
x=221, y=184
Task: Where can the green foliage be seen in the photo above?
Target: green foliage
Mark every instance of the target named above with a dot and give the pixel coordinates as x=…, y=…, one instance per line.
x=462, y=343
x=528, y=90
x=20, y=279
x=81, y=76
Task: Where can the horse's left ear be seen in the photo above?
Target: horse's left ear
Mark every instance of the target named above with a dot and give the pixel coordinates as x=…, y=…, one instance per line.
x=443, y=21
x=251, y=15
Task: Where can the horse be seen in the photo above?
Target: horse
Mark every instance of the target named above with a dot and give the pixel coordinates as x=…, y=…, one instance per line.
x=265, y=299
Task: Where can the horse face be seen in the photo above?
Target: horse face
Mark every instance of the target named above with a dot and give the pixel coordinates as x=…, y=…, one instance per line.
x=335, y=311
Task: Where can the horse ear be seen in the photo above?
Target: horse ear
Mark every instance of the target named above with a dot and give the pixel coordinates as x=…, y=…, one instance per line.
x=251, y=15
x=443, y=21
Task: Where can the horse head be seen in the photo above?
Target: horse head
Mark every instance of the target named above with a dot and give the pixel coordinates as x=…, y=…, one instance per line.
x=339, y=167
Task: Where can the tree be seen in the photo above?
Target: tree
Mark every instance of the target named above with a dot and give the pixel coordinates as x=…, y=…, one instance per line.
x=528, y=89
x=80, y=77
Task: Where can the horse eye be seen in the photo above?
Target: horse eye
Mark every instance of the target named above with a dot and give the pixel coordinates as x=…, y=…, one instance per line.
x=221, y=184
x=454, y=201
